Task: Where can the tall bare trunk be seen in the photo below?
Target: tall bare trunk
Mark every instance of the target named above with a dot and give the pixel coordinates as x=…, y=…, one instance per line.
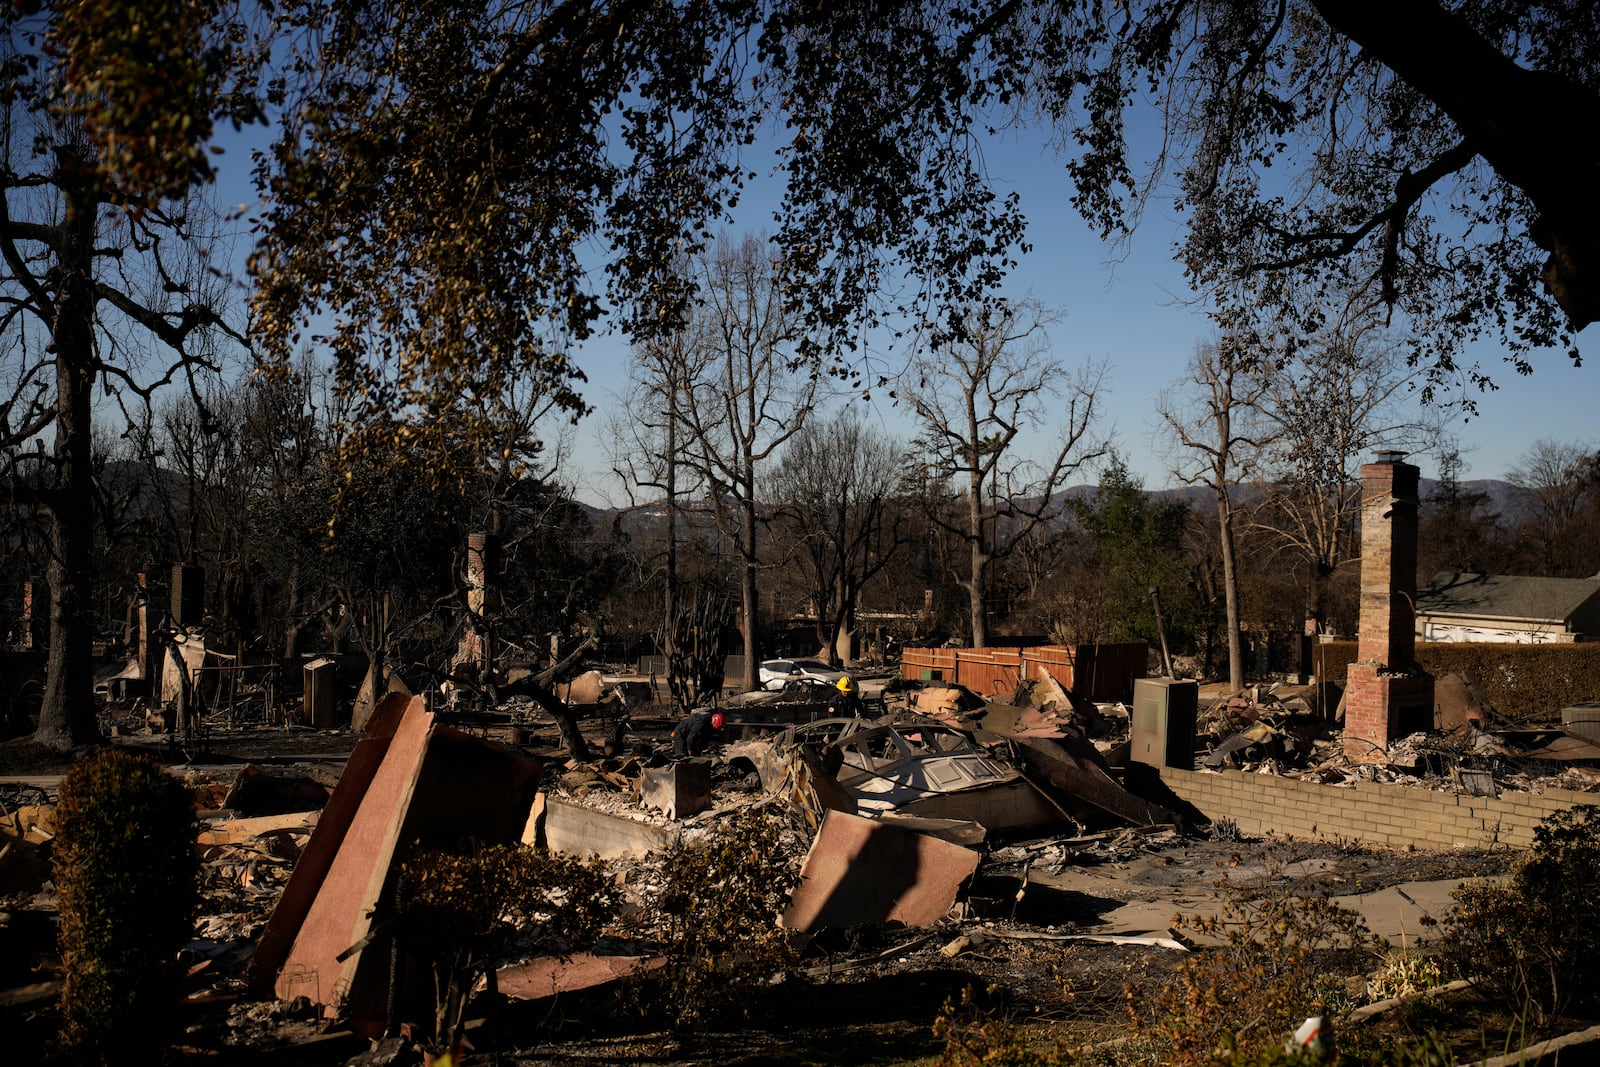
x=669, y=603
x=66, y=715
x=292, y=627
x=1230, y=590
x=977, y=574
x=977, y=605
x=748, y=592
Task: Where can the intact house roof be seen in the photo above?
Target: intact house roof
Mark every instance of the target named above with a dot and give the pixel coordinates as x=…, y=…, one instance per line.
x=1573, y=603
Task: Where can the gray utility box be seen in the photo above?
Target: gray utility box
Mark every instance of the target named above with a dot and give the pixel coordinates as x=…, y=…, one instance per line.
x=316, y=704
x=1163, y=722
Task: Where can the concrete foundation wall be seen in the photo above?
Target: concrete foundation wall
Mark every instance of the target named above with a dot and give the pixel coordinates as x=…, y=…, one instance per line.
x=584, y=832
x=1370, y=813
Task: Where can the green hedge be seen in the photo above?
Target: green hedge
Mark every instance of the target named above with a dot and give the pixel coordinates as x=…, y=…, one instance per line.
x=1521, y=681
x=125, y=871
x=1331, y=660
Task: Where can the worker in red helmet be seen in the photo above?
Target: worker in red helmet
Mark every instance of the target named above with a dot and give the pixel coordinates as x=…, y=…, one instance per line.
x=698, y=731
x=846, y=703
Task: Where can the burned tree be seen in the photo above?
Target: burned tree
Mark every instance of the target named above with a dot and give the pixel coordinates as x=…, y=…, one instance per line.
x=747, y=402
x=1560, y=481
x=1325, y=410
x=974, y=397
x=692, y=644
x=1216, y=425
x=102, y=276
x=649, y=435
x=837, y=485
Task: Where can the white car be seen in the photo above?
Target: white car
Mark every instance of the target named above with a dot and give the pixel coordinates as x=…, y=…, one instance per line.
x=775, y=673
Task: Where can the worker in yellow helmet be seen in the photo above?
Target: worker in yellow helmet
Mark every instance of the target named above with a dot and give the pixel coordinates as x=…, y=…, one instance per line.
x=846, y=703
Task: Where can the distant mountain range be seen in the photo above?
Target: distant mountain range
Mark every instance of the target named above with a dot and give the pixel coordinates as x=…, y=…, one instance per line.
x=1503, y=499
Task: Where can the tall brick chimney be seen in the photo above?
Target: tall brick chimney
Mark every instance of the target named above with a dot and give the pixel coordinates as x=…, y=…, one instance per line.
x=474, y=656
x=145, y=650
x=1388, y=696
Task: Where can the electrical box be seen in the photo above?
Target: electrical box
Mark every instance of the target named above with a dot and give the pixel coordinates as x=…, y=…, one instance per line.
x=317, y=703
x=1163, y=718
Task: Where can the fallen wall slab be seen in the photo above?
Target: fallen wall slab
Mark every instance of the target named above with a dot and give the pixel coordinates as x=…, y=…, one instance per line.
x=548, y=976
x=339, y=915
x=434, y=787
x=863, y=871
x=1071, y=767
x=334, y=823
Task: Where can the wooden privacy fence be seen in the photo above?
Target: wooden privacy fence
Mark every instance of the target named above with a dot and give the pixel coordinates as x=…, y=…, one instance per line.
x=1098, y=672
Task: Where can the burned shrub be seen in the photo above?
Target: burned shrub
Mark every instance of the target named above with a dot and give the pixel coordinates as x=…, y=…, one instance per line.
x=718, y=901
x=125, y=870
x=1271, y=959
x=977, y=1034
x=458, y=913
x=1533, y=942
x=1260, y=982
x=980, y=1032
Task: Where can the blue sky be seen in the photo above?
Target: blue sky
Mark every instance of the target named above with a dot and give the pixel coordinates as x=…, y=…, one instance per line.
x=1130, y=312
x=1132, y=308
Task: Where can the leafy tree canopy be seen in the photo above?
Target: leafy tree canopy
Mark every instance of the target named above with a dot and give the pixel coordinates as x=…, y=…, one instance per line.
x=446, y=166
x=144, y=82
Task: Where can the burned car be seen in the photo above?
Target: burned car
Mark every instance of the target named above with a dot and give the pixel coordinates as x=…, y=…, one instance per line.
x=911, y=767
x=762, y=713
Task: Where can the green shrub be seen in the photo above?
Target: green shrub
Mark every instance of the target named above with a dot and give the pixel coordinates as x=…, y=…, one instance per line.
x=1533, y=942
x=1403, y=973
x=125, y=871
x=457, y=914
x=719, y=900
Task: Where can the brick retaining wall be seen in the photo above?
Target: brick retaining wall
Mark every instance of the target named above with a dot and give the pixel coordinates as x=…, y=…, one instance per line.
x=1372, y=813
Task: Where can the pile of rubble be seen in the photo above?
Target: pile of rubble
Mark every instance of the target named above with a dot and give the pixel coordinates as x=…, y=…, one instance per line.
x=946, y=810
x=1471, y=749
x=293, y=869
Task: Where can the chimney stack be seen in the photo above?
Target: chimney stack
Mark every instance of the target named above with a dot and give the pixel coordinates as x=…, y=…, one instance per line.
x=1388, y=695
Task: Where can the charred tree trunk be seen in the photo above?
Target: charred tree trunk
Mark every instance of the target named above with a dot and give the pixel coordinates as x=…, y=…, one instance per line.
x=1230, y=590
x=538, y=687
x=748, y=592
x=669, y=600
x=292, y=624
x=978, y=562
x=66, y=716
x=694, y=652
x=566, y=721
